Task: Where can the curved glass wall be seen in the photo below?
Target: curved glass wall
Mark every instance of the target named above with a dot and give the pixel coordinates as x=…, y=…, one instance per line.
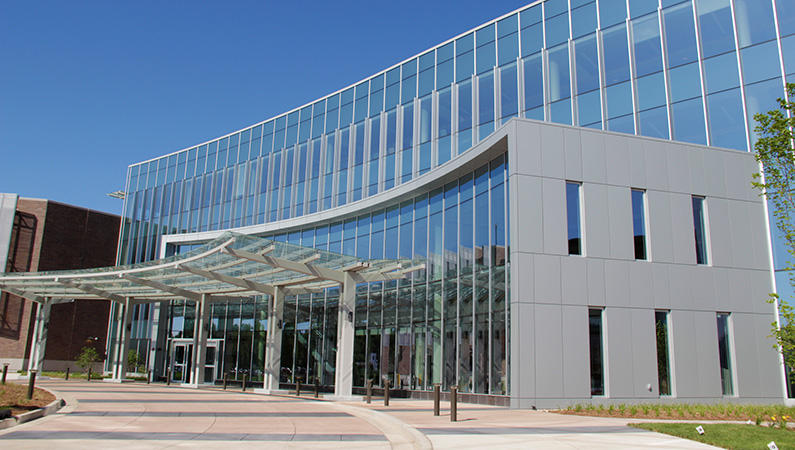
x=694, y=71
x=445, y=325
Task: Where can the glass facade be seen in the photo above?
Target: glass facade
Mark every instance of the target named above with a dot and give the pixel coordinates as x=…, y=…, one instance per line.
x=693, y=70
x=446, y=324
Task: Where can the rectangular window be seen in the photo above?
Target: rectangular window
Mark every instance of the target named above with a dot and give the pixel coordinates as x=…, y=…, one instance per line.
x=597, y=357
x=724, y=353
x=639, y=222
x=663, y=355
x=573, y=208
x=700, y=230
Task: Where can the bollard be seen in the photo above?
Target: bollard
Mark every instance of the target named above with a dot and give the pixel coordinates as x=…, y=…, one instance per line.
x=66, y=377
x=31, y=383
x=453, y=403
x=88, y=378
x=148, y=376
x=386, y=391
x=317, y=387
x=168, y=376
x=369, y=391
x=226, y=375
x=244, y=382
x=5, y=372
x=297, y=388
x=437, y=396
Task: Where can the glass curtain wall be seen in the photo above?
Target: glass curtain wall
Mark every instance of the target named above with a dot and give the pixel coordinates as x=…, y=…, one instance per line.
x=446, y=324
x=693, y=70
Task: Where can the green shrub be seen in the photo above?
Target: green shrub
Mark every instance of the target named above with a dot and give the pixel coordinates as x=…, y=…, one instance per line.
x=133, y=361
x=88, y=356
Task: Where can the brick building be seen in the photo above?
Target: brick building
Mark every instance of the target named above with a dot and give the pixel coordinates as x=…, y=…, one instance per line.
x=43, y=235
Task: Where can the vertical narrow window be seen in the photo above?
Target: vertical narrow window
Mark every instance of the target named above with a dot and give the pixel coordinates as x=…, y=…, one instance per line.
x=699, y=227
x=573, y=217
x=724, y=353
x=597, y=356
x=639, y=222
x=663, y=366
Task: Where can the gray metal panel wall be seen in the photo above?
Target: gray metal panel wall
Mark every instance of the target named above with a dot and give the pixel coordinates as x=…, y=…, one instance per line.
x=551, y=291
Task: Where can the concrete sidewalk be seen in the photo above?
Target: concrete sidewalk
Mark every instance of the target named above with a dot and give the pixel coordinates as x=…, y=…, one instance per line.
x=481, y=426
x=132, y=415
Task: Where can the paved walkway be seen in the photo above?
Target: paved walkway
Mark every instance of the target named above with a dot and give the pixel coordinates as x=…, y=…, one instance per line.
x=480, y=426
x=131, y=416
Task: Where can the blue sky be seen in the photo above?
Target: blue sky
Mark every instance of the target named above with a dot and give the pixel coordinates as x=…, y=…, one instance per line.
x=87, y=88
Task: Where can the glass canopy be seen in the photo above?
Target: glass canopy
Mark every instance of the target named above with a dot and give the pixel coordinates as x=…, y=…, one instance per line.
x=230, y=265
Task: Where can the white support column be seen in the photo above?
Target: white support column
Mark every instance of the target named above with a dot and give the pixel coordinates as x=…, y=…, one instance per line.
x=32, y=358
x=343, y=372
x=38, y=345
x=117, y=319
x=123, y=341
x=200, y=340
x=273, y=346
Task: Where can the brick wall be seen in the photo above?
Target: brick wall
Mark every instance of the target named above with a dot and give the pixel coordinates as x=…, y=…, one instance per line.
x=66, y=237
x=16, y=313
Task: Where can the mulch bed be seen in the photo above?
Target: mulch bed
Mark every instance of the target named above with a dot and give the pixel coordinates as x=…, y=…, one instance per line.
x=13, y=396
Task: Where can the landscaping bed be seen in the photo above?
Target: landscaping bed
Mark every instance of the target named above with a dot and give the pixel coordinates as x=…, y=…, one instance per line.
x=13, y=396
x=682, y=411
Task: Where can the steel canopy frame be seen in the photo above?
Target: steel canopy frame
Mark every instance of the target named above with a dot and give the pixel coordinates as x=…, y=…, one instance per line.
x=232, y=264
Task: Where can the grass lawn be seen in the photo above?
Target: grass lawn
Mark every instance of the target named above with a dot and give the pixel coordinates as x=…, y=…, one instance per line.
x=726, y=435
x=59, y=374
x=13, y=396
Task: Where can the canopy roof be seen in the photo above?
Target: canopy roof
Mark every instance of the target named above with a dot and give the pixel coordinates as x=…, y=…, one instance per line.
x=233, y=265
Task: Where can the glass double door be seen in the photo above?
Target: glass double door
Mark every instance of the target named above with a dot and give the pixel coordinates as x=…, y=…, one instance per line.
x=182, y=360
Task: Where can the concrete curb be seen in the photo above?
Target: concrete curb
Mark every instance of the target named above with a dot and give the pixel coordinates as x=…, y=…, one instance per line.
x=400, y=434
x=54, y=406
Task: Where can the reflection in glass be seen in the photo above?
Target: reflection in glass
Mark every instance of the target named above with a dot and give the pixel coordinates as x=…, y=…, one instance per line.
x=724, y=353
x=680, y=35
x=700, y=230
x=715, y=26
x=726, y=127
x=559, y=73
x=573, y=208
x=663, y=353
x=754, y=22
x=688, y=121
x=639, y=222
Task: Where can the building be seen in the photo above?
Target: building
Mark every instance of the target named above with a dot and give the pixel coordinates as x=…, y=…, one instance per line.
x=574, y=175
x=43, y=235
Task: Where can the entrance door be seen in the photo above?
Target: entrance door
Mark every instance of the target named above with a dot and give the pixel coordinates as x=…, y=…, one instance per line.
x=211, y=360
x=181, y=361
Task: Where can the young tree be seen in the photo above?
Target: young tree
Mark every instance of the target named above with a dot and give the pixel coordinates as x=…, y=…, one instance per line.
x=88, y=355
x=774, y=151
x=133, y=361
